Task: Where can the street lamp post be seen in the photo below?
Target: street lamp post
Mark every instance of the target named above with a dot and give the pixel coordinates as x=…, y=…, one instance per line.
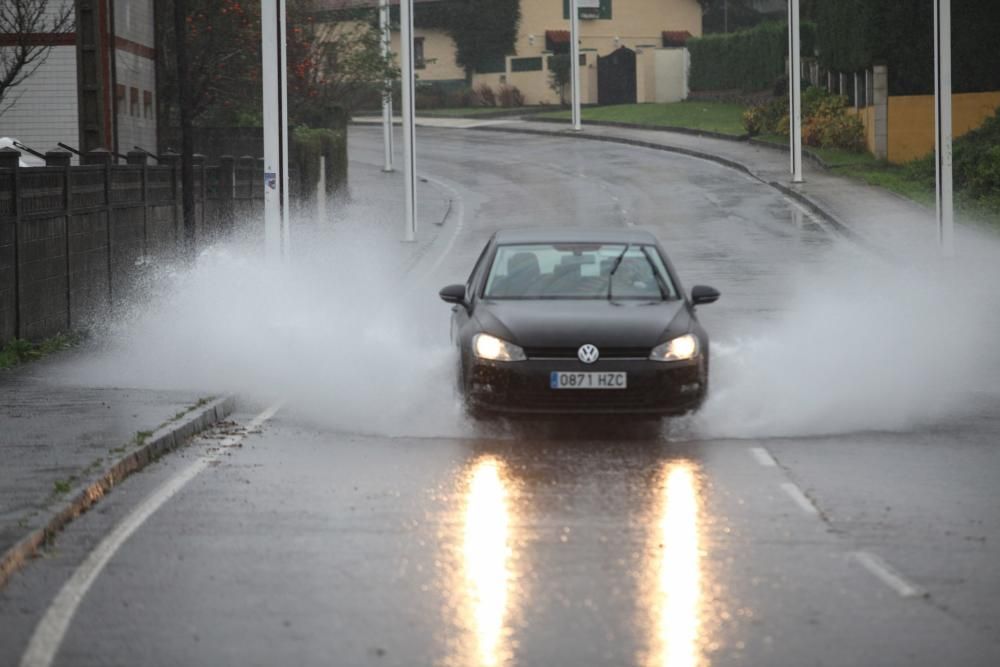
x=943, y=130
x=574, y=57
x=275, y=99
x=795, y=91
x=409, y=111
x=383, y=20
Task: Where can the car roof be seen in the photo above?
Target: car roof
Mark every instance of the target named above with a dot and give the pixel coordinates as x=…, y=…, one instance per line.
x=574, y=235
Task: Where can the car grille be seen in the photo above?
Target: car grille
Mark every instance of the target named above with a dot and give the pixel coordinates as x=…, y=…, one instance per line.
x=571, y=352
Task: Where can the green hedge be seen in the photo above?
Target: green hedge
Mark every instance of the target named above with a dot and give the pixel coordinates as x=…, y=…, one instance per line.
x=749, y=59
x=855, y=34
x=307, y=144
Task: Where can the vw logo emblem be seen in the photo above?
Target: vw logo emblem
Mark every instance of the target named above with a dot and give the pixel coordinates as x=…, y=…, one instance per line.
x=588, y=353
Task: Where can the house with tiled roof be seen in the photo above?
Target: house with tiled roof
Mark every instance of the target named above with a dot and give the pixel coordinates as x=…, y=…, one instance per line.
x=630, y=50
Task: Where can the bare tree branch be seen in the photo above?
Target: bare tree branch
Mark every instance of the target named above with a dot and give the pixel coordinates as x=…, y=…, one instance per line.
x=28, y=30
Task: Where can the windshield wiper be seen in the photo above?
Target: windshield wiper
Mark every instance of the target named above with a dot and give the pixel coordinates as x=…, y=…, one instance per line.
x=618, y=262
x=660, y=282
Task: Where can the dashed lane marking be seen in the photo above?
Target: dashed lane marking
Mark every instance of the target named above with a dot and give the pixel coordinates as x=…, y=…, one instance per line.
x=795, y=493
x=763, y=457
x=51, y=630
x=889, y=576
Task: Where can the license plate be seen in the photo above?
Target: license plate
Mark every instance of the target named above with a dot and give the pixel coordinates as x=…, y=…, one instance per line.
x=562, y=380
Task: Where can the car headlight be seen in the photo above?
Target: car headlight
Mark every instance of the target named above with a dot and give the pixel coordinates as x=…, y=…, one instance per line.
x=681, y=348
x=492, y=348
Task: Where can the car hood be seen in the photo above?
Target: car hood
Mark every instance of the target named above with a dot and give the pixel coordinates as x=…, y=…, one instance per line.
x=570, y=323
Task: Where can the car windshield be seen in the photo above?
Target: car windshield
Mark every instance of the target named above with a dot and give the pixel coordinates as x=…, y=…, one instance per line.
x=579, y=271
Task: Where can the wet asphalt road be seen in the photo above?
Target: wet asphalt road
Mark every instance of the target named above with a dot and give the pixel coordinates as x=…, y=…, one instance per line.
x=583, y=544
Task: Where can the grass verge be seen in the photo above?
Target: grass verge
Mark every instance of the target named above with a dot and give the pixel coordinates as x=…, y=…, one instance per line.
x=718, y=117
x=475, y=112
x=19, y=351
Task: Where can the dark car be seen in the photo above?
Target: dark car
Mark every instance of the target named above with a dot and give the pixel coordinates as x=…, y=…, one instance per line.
x=578, y=322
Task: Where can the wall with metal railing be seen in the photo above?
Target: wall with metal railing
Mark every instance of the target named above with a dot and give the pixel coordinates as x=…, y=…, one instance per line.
x=74, y=240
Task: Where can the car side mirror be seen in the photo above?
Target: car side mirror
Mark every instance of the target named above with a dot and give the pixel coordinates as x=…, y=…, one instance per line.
x=453, y=294
x=702, y=294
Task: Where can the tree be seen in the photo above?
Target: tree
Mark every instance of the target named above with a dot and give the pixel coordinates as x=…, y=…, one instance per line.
x=334, y=67
x=28, y=31
x=559, y=75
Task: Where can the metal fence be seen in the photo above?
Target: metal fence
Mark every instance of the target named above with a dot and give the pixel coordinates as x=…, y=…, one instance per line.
x=74, y=239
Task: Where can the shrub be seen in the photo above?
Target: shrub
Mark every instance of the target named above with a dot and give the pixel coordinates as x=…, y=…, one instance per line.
x=824, y=121
x=753, y=120
x=485, y=95
x=510, y=96
x=464, y=97
x=747, y=59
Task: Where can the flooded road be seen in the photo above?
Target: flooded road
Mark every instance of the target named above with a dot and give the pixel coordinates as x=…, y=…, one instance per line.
x=331, y=537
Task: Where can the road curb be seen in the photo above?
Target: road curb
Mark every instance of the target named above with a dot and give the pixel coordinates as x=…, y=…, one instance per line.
x=800, y=197
x=163, y=440
x=737, y=138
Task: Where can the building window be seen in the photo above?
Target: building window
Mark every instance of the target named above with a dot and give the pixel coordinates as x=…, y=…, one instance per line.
x=133, y=102
x=525, y=64
x=147, y=104
x=418, y=53
x=119, y=98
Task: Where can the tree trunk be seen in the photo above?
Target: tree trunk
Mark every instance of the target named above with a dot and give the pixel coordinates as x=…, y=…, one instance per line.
x=184, y=104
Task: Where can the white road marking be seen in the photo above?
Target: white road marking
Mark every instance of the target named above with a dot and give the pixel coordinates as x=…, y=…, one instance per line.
x=763, y=457
x=51, y=630
x=795, y=493
x=888, y=575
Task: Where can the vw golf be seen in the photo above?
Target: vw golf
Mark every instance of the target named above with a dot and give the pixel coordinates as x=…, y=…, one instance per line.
x=578, y=322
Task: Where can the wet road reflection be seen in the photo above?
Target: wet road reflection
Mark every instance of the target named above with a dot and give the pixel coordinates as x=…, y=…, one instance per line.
x=485, y=568
x=674, y=572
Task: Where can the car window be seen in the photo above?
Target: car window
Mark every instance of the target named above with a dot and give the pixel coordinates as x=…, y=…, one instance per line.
x=578, y=271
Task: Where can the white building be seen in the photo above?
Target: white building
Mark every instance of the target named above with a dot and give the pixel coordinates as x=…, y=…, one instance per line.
x=97, y=86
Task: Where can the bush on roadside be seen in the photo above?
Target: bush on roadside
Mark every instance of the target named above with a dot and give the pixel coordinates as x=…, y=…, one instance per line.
x=825, y=122
x=485, y=95
x=510, y=96
x=976, y=160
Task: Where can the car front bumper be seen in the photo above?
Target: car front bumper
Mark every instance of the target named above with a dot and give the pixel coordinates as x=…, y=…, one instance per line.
x=523, y=387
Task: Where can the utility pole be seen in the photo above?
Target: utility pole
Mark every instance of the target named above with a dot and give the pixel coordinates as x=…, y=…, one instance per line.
x=383, y=21
x=795, y=90
x=409, y=111
x=574, y=50
x=943, y=133
x=275, y=90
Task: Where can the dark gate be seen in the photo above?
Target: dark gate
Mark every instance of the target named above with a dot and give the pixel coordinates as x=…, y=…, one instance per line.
x=616, y=77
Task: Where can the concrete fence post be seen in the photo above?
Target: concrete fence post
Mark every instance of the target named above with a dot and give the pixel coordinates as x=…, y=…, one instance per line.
x=198, y=164
x=173, y=160
x=227, y=192
x=102, y=157
x=880, y=101
x=139, y=159
x=321, y=191
x=61, y=160
x=10, y=159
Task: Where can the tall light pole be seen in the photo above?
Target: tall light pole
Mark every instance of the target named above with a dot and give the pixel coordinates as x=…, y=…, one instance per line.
x=275, y=94
x=409, y=111
x=383, y=22
x=574, y=60
x=795, y=91
x=943, y=133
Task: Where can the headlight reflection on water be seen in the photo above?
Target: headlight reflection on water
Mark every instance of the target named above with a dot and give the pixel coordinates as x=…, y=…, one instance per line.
x=674, y=605
x=486, y=555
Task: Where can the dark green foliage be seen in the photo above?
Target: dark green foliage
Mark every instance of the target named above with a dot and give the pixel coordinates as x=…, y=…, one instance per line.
x=854, y=34
x=976, y=160
x=307, y=145
x=484, y=31
x=748, y=60
x=559, y=74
